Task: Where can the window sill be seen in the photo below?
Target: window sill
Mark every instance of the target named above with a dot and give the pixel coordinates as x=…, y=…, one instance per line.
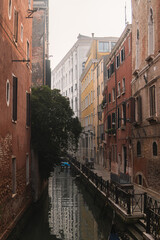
x=123, y=127
x=135, y=73
x=152, y=120
x=13, y=121
x=119, y=96
x=123, y=93
x=136, y=124
x=149, y=58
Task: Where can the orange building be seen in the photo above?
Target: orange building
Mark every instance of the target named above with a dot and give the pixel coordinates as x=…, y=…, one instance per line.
x=99, y=48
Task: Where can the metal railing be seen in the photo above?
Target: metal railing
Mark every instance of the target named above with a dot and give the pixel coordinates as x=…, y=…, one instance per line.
x=129, y=201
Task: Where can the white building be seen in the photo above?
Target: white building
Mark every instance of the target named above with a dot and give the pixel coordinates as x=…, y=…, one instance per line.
x=65, y=76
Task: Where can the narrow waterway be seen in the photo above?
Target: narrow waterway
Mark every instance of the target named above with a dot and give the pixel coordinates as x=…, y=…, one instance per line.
x=69, y=212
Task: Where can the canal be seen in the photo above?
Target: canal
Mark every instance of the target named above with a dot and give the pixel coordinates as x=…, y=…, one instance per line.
x=69, y=212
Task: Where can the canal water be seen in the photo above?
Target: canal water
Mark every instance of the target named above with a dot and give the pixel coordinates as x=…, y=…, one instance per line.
x=69, y=212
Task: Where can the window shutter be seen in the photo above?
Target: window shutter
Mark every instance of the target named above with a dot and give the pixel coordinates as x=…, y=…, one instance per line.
x=28, y=109
x=109, y=121
x=132, y=109
x=139, y=109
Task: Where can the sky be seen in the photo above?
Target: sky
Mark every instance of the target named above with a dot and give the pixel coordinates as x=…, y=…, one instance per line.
x=68, y=18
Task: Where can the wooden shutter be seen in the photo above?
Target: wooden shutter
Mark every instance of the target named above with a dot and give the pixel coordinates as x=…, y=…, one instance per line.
x=132, y=110
x=15, y=26
x=28, y=109
x=139, y=108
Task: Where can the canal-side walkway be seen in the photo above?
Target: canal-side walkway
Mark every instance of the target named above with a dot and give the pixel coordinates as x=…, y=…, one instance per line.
x=105, y=174
x=132, y=204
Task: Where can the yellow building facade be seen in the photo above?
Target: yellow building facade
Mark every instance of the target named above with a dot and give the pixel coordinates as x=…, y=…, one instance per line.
x=100, y=47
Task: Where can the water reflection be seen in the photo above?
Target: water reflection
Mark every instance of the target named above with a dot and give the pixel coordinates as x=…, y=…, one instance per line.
x=68, y=212
x=71, y=211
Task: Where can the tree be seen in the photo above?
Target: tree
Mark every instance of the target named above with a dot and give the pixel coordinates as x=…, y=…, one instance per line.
x=53, y=127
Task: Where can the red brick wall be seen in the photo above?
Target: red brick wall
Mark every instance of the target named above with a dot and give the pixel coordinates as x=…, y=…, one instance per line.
x=14, y=137
x=147, y=166
x=123, y=137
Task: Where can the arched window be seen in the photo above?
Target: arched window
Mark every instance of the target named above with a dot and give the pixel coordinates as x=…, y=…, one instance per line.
x=150, y=33
x=154, y=149
x=138, y=149
x=7, y=92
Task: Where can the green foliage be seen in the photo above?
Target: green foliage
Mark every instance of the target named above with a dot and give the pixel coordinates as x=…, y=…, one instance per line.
x=54, y=129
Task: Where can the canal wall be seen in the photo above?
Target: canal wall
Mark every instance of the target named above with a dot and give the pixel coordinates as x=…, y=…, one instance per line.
x=26, y=216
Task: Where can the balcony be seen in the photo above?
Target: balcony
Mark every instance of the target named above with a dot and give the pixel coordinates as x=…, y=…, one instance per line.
x=111, y=131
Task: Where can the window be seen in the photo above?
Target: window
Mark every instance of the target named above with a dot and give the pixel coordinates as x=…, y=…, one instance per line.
x=119, y=89
x=113, y=94
x=150, y=33
x=27, y=169
x=113, y=120
x=76, y=106
x=76, y=86
x=21, y=33
x=14, y=106
x=124, y=114
x=123, y=86
x=101, y=66
x=28, y=112
x=83, y=66
x=103, y=47
x=109, y=121
x=119, y=118
x=29, y=4
x=152, y=100
x=98, y=90
x=129, y=44
x=138, y=149
x=108, y=73
x=109, y=97
x=138, y=109
x=72, y=103
x=112, y=68
x=27, y=50
x=7, y=92
x=13, y=175
x=71, y=89
x=122, y=54
x=112, y=45
x=10, y=9
x=118, y=61
x=154, y=149
x=15, y=26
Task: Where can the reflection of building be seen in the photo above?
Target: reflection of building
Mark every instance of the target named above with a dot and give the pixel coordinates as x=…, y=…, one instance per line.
x=41, y=72
x=15, y=83
x=64, y=213
x=118, y=108
x=99, y=48
x=65, y=76
x=145, y=90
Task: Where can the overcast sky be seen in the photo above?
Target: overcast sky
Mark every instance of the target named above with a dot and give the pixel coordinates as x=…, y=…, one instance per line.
x=68, y=18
